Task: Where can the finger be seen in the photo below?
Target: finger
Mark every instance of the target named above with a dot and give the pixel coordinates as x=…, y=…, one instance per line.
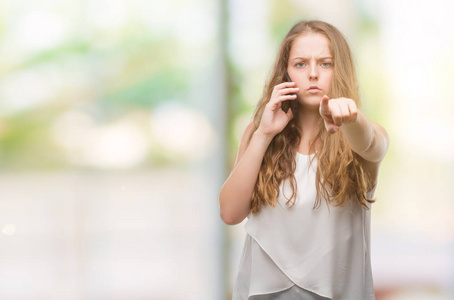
x=279, y=90
x=276, y=103
x=331, y=128
x=345, y=112
x=324, y=107
x=353, y=112
x=290, y=114
x=286, y=98
x=288, y=90
x=284, y=85
x=336, y=113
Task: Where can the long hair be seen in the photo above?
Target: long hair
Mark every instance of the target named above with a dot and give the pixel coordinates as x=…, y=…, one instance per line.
x=340, y=175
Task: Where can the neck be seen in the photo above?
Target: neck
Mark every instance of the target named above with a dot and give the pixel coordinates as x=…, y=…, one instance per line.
x=308, y=121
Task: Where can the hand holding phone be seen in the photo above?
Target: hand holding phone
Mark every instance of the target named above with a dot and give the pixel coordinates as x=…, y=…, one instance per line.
x=293, y=104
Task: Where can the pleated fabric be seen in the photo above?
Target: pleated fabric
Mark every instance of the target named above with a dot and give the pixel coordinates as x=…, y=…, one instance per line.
x=305, y=254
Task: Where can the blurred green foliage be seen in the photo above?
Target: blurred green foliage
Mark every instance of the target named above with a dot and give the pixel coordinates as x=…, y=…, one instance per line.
x=144, y=75
x=131, y=69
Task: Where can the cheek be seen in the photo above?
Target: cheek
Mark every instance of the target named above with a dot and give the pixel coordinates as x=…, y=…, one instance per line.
x=329, y=79
x=328, y=83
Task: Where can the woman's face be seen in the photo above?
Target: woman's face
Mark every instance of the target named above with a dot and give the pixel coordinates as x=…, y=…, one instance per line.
x=311, y=66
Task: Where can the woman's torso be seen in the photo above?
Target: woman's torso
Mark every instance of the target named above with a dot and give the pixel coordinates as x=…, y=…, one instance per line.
x=323, y=251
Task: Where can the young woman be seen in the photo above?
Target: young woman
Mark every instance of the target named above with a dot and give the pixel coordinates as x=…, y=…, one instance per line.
x=305, y=177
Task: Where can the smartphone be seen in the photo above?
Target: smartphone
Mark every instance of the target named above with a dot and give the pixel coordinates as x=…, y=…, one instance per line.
x=292, y=104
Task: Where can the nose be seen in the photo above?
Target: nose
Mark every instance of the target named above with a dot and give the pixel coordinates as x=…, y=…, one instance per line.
x=313, y=73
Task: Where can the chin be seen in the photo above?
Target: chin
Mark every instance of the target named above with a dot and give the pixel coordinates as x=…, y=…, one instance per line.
x=311, y=101
x=310, y=106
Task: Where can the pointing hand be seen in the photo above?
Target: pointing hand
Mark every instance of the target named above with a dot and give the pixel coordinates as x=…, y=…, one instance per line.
x=337, y=111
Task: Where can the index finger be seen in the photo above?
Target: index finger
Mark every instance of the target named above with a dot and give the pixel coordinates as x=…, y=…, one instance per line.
x=324, y=107
x=285, y=84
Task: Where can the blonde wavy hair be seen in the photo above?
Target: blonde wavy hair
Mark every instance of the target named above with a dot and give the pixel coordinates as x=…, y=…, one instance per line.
x=340, y=174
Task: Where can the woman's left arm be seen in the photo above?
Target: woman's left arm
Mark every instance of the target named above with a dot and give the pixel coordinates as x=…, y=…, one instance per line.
x=369, y=140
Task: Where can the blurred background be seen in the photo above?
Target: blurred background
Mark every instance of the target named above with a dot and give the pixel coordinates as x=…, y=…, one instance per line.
x=120, y=121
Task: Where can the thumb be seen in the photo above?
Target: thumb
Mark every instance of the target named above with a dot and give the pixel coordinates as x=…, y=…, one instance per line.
x=290, y=114
x=324, y=107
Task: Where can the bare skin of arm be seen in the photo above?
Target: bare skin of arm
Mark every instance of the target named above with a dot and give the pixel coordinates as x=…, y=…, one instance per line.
x=369, y=140
x=235, y=196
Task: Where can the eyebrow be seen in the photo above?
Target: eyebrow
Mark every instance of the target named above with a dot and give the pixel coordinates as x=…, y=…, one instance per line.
x=320, y=58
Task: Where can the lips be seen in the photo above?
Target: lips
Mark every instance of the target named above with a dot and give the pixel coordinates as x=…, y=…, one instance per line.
x=314, y=89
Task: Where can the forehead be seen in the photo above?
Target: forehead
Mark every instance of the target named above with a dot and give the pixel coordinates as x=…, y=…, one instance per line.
x=310, y=45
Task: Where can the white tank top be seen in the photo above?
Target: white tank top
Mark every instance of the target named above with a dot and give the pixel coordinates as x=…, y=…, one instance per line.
x=300, y=253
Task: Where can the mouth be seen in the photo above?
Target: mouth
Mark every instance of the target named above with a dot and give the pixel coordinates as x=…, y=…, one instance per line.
x=314, y=89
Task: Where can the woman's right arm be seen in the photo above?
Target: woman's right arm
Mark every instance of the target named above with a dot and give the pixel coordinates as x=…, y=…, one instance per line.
x=235, y=196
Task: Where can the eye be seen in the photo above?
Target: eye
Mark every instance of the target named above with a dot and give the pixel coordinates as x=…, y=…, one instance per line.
x=327, y=64
x=300, y=64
